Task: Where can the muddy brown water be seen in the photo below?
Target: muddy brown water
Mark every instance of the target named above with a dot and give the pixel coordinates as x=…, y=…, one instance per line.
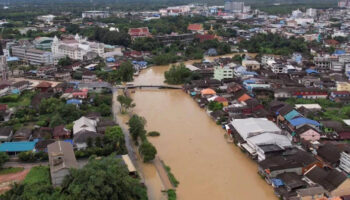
x=207, y=167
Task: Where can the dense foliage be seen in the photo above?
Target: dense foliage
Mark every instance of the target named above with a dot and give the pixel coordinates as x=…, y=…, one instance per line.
x=3, y=158
x=125, y=103
x=104, y=179
x=179, y=74
x=215, y=106
x=274, y=44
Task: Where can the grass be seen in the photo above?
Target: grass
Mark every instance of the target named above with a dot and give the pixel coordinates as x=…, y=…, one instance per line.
x=11, y=170
x=171, y=176
x=38, y=174
x=15, y=100
x=171, y=195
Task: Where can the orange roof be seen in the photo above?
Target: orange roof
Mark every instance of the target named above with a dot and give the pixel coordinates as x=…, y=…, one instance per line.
x=195, y=27
x=244, y=97
x=208, y=91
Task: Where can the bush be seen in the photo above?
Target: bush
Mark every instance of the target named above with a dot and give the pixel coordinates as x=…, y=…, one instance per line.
x=153, y=134
x=3, y=158
x=171, y=176
x=148, y=151
x=171, y=195
x=27, y=156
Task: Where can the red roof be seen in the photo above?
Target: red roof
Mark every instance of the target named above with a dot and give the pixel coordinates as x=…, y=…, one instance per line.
x=205, y=37
x=344, y=135
x=332, y=42
x=195, y=27
x=220, y=99
x=3, y=107
x=44, y=84
x=143, y=31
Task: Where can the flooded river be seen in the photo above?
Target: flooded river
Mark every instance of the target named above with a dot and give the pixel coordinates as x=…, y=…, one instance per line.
x=207, y=167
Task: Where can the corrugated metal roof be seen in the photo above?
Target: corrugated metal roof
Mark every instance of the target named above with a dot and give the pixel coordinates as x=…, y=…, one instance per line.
x=17, y=146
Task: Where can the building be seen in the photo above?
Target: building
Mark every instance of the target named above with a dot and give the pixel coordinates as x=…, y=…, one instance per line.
x=234, y=7
x=46, y=18
x=43, y=43
x=345, y=160
x=17, y=147
x=3, y=68
x=139, y=32
x=223, y=72
x=168, y=39
x=61, y=159
x=32, y=56
x=76, y=48
x=251, y=65
x=311, y=12
x=95, y=14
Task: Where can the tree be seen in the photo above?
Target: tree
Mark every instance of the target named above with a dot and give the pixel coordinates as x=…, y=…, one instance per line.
x=105, y=178
x=3, y=158
x=125, y=103
x=50, y=105
x=137, y=127
x=65, y=61
x=105, y=110
x=126, y=72
x=214, y=106
x=148, y=151
x=98, y=142
x=56, y=120
x=114, y=136
x=178, y=74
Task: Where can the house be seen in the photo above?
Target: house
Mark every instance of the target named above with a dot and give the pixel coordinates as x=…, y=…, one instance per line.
x=61, y=160
x=222, y=100
x=14, y=148
x=23, y=134
x=329, y=154
x=296, y=123
x=208, y=92
x=307, y=133
x=89, y=76
x=81, y=138
x=6, y=133
x=345, y=159
x=60, y=132
x=84, y=123
x=19, y=86
x=41, y=145
x=42, y=133
x=251, y=65
x=44, y=86
x=311, y=193
x=333, y=181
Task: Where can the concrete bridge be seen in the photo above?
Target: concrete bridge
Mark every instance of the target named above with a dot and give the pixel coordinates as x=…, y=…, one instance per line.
x=149, y=86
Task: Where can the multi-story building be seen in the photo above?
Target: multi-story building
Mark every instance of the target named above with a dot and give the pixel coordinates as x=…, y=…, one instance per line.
x=77, y=48
x=95, y=14
x=235, y=7
x=223, y=72
x=323, y=63
x=32, y=56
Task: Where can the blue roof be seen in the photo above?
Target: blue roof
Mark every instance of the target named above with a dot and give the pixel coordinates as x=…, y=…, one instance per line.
x=339, y=52
x=277, y=182
x=69, y=141
x=15, y=91
x=302, y=120
x=292, y=114
x=74, y=101
x=12, y=59
x=311, y=71
x=17, y=146
x=110, y=59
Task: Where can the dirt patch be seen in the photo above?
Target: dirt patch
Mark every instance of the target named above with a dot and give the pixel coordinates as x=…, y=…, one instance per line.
x=8, y=179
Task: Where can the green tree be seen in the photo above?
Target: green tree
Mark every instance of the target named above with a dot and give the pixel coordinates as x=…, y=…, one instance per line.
x=178, y=74
x=214, y=106
x=114, y=136
x=3, y=158
x=126, y=72
x=105, y=110
x=148, y=151
x=98, y=142
x=137, y=127
x=56, y=120
x=50, y=105
x=65, y=61
x=105, y=178
x=125, y=103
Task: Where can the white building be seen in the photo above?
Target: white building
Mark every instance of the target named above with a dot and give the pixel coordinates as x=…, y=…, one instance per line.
x=76, y=49
x=46, y=18
x=223, y=72
x=84, y=123
x=95, y=14
x=3, y=68
x=311, y=12
x=32, y=56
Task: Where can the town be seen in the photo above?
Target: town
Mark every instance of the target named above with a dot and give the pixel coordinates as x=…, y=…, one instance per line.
x=96, y=100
